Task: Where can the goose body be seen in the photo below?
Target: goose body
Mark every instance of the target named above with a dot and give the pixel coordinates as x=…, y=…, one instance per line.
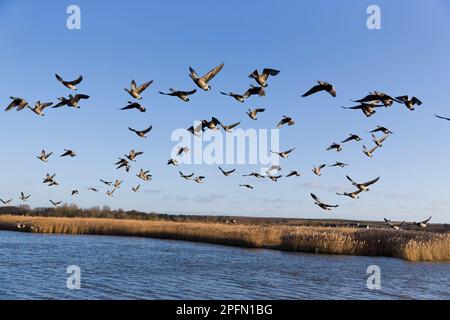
x=317, y=170
x=252, y=113
x=363, y=186
x=141, y=133
x=18, y=103
x=135, y=91
x=293, y=173
x=144, y=175
x=283, y=154
x=183, y=95
x=369, y=152
x=202, y=82
x=286, y=120
x=44, y=156
x=261, y=78
x=226, y=173
x=321, y=86
x=71, y=101
x=322, y=205
x=39, y=107
x=70, y=84
x=184, y=176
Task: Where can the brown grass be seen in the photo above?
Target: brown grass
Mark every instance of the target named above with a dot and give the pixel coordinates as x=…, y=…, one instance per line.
x=409, y=245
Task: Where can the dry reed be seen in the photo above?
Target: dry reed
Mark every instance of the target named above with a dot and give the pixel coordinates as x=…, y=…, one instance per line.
x=409, y=245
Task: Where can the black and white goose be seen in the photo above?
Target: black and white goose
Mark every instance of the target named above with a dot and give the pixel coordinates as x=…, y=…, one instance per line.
x=261, y=78
x=173, y=162
x=6, y=202
x=392, y=225
x=186, y=176
x=409, y=103
x=352, y=137
x=213, y=124
x=255, y=91
x=134, y=105
x=133, y=154
x=110, y=193
x=317, y=170
x=246, y=186
x=199, y=179
x=381, y=129
x=144, y=175
x=254, y=174
x=71, y=101
x=423, y=224
x=55, y=203
x=202, y=82
x=123, y=163
x=135, y=91
x=92, y=189
x=141, y=133
x=286, y=120
x=136, y=188
x=39, y=107
x=68, y=152
x=322, y=86
x=252, y=113
x=274, y=178
x=44, y=156
x=293, y=173
x=183, y=95
x=24, y=197
x=226, y=173
x=283, y=154
x=50, y=179
x=335, y=146
x=366, y=108
x=339, y=164
x=379, y=142
x=363, y=186
x=108, y=183
x=378, y=97
x=74, y=192
x=353, y=195
x=182, y=150
x=69, y=84
x=18, y=103
x=322, y=205
x=236, y=96
x=117, y=184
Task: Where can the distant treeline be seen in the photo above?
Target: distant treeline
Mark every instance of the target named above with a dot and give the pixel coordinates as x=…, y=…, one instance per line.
x=73, y=211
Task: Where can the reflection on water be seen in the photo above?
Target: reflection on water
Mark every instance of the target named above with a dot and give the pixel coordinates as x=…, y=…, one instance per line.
x=33, y=266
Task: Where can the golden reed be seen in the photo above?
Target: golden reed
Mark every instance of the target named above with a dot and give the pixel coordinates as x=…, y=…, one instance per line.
x=409, y=245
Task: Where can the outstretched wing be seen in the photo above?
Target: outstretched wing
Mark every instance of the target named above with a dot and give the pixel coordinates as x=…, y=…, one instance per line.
x=76, y=81
x=211, y=74
x=144, y=86
x=147, y=130
x=426, y=221
x=315, y=198
x=371, y=181
x=313, y=90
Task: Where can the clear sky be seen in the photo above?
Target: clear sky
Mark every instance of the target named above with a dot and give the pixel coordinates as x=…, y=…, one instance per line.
x=307, y=41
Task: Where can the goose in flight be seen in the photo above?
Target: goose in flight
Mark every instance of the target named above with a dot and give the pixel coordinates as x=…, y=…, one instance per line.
x=229, y=128
x=24, y=197
x=381, y=129
x=92, y=189
x=370, y=152
x=184, y=176
x=392, y=225
x=182, y=150
x=108, y=183
x=199, y=179
x=50, y=179
x=141, y=133
x=110, y=192
x=202, y=82
x=353, y=195
x=352, y=137
x=317, y=170
x=44, y=156
x=423, y=224
x=5, y=202
x=261, y=78
x=252, y=113
x=69, y=84
x=339, y=164
x=283, y=154
x=379, y=142
x=136, y=188
x=255, y=91
x=286, y=120
x=136, y=91
x=322, y=205
x=68, y=152
x=71, y=101
x=123, y=163
x=144, y=175
x=363, y=186
x=377, y=97
x=117, y=184
x=18, y=103
x=274, y=178
x=246, y=186
x=213, y=124
x=367, y=109
x=55, y=203
x=39, y=107
x=254, y=174
x=226, y=173
x=322, y=86
x=173, y=162
x=134, y=105
x=336, y=146
x=74, y=192
x=236, y=96
x=273, y=168
x=293, y=173
x=183, y=95
x=409, y=103
x=133, y=154
x=443, y=118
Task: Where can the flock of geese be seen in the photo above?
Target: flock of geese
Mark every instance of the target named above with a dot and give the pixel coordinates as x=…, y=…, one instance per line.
x=368, y=105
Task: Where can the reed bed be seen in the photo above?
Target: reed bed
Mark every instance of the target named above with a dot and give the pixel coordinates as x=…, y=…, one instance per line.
x=409, y=245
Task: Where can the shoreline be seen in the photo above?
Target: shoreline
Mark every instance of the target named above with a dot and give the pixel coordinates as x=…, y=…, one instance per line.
x=407, y=245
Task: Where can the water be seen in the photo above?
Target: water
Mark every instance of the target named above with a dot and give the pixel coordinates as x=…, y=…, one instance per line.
x=33, y=266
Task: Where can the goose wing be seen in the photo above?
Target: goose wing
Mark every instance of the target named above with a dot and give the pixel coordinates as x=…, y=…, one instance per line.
x=211, y=74
x=371, y=182
x=426, y=221
x=76, y=81
x=147, y=130
x=144, y=86
x=440, y=117
x=313, y=90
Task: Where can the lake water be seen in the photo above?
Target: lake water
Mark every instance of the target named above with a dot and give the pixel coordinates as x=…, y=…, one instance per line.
x=33, y=266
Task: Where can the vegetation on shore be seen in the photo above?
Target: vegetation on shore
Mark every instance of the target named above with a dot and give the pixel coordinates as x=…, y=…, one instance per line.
x=409, y=245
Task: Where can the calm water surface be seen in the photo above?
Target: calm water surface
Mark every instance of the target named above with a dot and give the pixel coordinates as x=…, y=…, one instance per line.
x=33, y=266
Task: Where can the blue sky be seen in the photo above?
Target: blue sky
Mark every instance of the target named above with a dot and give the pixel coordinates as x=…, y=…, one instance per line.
x=307, y=41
